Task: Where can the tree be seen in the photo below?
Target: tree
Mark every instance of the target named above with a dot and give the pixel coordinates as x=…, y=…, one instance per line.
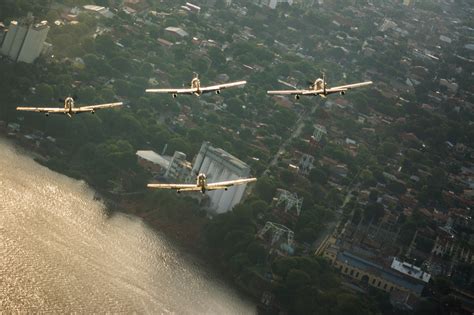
x=44, y=92
x=374, y=211
x=105, y=45
x=333, y=198
x=287, y=176
x=282, y=266
x=318, y=175
x=87, y=94
x=367, y=177
x=389, y=149
x=256, y=253
x=373, y=195
x=397, y=188
x=266, y=188
x=258, y=206
x=297, y=279
x=307, y=235
x=122, y=64
x=350, y=304
x=239, y=262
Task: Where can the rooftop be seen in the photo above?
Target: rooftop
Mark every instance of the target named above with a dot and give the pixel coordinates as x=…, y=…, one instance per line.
x=410, y=270
x=177, y=30
x=153, y=157
x=228, y=157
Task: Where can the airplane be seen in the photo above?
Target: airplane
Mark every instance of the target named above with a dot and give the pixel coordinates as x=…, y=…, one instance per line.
x=69, y=108
x=196, y=88
x=202, y=185
x=319, y=87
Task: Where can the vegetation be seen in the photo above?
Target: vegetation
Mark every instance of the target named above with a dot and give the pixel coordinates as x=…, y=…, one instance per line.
x=101, y=60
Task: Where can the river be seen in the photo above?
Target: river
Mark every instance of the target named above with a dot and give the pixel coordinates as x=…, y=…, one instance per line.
x=60, y=252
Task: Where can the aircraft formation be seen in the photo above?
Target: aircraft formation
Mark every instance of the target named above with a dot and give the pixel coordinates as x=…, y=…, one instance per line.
x=318, y=87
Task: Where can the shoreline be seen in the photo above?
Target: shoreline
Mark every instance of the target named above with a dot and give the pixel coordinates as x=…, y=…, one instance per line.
x=185, y=237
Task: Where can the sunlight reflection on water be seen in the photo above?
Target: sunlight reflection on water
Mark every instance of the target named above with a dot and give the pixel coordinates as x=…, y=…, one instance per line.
x=59, y=252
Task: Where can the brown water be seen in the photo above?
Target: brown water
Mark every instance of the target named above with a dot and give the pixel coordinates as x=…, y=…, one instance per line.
x=61, y=253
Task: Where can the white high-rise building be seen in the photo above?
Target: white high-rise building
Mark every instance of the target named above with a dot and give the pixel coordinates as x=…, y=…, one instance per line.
x=24, y=40
x=179, y=168
x=218, y=165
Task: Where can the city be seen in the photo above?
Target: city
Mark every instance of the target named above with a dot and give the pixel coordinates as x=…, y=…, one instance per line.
x=367, y=194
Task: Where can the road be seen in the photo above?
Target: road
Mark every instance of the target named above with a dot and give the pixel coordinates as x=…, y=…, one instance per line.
x=300, y=123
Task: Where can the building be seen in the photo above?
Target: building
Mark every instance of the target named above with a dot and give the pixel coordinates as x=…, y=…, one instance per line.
x=136, y=5
x=176, y=31
x=192, y=7
x=3, y=32
x=410, y=270
x=25, y=40
x=178, y=167
x=212, y=3
x=153, y=162
x=372, y=274
x=105, y=12
x=219, y=165
x=272, y=4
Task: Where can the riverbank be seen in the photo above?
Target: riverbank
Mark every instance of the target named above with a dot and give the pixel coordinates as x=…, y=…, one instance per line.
x=183, y=229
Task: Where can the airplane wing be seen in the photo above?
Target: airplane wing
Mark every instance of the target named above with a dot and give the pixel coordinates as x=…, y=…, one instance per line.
x=315, y=92
x=230, y=183
x=187, y=187
x=42, y=109
x=219, y=87
x=94, y=107
x=172, y=91
x=288, y=92
x=344, y=88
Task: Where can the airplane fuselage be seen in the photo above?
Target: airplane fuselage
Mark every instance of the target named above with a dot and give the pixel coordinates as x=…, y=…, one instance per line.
x=196, y=84
x=320, y=84
x=69, y=105
x=201, y=182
